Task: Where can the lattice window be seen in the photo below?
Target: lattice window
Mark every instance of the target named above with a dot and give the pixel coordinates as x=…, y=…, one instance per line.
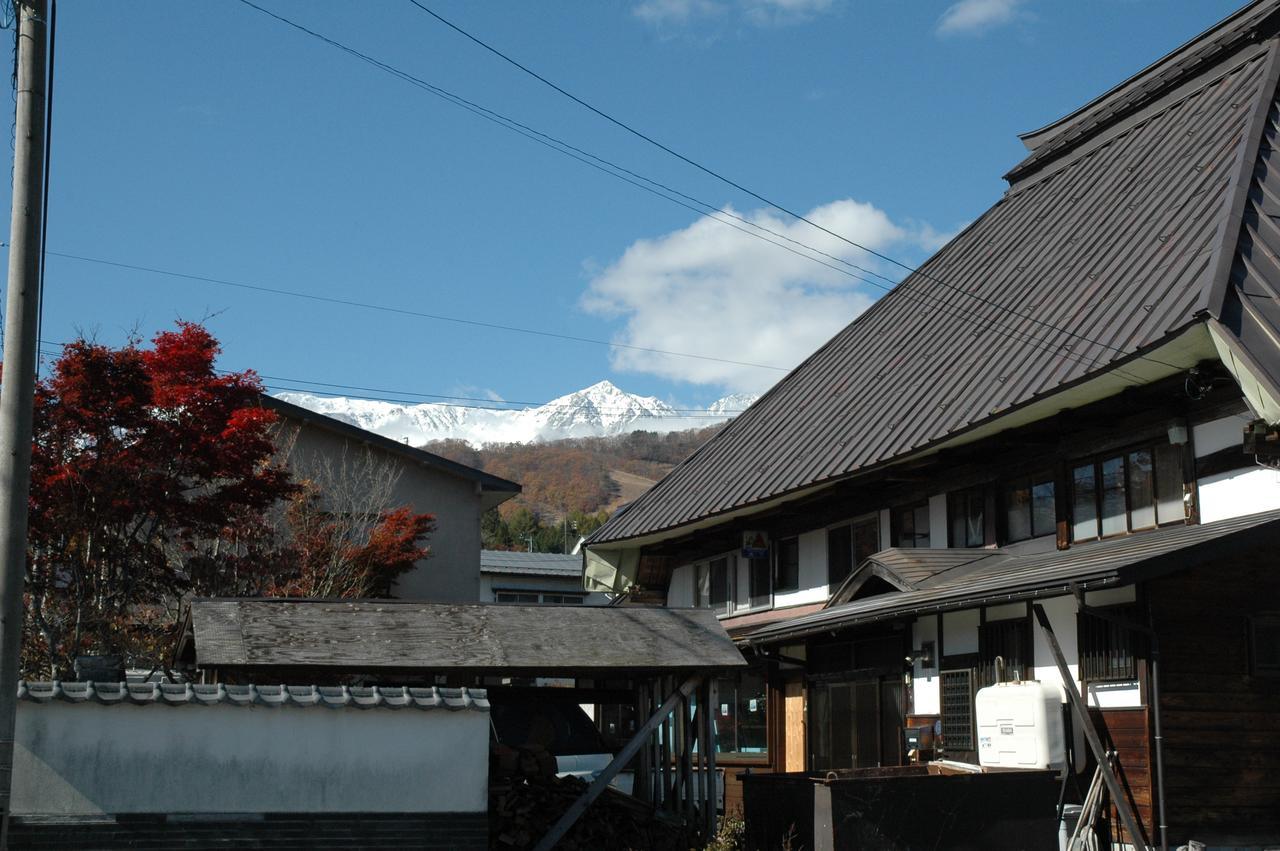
x=957, y=709
x=1109, y=651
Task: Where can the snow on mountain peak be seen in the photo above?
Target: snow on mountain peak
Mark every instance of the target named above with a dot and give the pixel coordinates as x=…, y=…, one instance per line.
x=599, y=410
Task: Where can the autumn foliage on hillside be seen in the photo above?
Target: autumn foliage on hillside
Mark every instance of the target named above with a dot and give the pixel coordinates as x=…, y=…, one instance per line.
x=154, y=478
x=569, y=479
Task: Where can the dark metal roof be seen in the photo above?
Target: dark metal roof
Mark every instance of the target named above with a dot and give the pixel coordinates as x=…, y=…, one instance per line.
x=1087, y=267
x=993, y=576
x=530, y=564
x=291, y=411
x=373, y=635
x=195, y=694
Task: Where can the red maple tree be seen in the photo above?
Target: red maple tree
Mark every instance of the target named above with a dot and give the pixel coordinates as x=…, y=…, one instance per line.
x=154, y=479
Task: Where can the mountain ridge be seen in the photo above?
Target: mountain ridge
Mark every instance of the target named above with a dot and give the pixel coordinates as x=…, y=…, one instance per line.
x=600, y=410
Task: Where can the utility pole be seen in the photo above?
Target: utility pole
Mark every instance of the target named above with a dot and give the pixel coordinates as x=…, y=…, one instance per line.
x=17, y=391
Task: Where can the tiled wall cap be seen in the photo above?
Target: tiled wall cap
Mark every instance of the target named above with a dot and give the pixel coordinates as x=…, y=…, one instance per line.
x=195, y=694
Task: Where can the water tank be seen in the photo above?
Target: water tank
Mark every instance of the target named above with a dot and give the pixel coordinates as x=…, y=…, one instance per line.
x=1020, y=725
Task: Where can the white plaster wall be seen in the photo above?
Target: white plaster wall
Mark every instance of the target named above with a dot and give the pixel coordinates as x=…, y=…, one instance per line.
x=813, y=572
x=1238, y=493
x=960, y=632
x=452, y=572
x=925, y=693
x=680, y=591
x=1218, y=434
x=938, y=521
x=1062, y=617
x=89, y=759
x=1008, y=611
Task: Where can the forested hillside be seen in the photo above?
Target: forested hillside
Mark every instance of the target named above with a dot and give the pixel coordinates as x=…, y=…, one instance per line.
x=579, y=480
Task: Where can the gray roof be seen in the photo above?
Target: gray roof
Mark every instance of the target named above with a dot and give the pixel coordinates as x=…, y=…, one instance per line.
x=398, y=635
x=188, y=694
x=991, y=576
x=530, y=564
x=1118, y=235
x=487, y=481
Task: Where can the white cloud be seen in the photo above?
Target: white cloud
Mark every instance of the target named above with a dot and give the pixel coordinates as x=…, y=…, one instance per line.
x=677, y=13
x=711, y=290
x=971, y=17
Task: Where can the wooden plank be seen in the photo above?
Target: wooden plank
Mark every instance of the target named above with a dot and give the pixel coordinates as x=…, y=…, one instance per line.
x=629, y=750
x=1091, y=735
x=794, y=720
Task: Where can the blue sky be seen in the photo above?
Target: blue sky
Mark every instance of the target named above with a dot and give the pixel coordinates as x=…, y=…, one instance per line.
x=208, y=139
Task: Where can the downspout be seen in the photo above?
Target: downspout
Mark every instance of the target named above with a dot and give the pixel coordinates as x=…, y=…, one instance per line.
x=1159, y=737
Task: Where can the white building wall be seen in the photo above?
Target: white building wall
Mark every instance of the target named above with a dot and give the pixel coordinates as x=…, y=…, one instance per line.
x=92, y=759
x=1235, y=493
x=938, y=520
x=959, y=632
x=680, y=591
x=926, y=698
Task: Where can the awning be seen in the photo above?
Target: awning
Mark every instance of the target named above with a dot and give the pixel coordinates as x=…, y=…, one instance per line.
x=612, y=571
x=984, y=577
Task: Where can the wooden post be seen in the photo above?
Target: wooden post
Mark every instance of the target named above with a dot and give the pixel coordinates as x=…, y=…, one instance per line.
x=711, y=756
x=629, y=750
x=686, y=761
x=642, y=786
x=1121, y=803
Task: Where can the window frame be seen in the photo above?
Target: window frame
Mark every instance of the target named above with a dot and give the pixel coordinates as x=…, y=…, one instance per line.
x=778, y=587
x=703, y=569
x=1118, y=642
x=540, y=597
x=850, y=528
x=958, y=499
x=912, y=509
x=742, y=757
x=1032, y=481
x=1153, y=446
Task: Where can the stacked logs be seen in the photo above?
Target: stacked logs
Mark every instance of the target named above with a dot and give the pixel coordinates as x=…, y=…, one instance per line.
x=526, y=799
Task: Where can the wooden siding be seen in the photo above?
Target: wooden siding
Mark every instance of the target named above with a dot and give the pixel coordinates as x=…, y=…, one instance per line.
x=1220, y=723
x=1128, y=733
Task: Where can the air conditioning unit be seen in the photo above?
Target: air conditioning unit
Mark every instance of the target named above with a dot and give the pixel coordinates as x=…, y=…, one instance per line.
x=1020, y=725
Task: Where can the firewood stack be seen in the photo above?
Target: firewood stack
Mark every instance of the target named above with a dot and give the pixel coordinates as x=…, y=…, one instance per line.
x=526, y=799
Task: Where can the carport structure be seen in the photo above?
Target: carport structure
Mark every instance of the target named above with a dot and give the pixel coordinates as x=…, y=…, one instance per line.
x=669, y=659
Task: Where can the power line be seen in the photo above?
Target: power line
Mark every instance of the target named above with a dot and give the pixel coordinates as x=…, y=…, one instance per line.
x=600, y=163
x=273, y=382
x=439, y=317
x=763, y=199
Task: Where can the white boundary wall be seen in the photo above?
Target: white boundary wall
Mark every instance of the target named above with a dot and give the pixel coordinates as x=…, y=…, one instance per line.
x=88, y=759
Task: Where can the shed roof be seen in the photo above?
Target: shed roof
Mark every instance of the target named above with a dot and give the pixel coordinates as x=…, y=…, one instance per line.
x=396, y=635
x=530, y=564
x=990, y=576
x=1139, y=248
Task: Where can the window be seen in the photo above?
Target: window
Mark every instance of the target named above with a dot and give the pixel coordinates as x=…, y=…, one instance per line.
x=1264, y=645
x=912, y=525
x=957, y=709
x=966, y=510
x=1108, y=651
x=712, y=585
x=1128, y=491
x=1010, y=641
x=848, y=546
x=787, y=573
x=740, y=715
x=549, y=598
x=1029, y=508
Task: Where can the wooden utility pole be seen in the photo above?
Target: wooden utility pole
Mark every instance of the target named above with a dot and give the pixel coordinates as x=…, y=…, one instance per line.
x=17, y=392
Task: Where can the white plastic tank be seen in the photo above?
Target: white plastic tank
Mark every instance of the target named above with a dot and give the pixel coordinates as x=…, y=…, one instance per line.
x=1020, y=725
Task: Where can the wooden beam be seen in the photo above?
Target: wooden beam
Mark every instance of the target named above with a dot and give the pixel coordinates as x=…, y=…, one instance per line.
x=1118, y=798
x=629, y=750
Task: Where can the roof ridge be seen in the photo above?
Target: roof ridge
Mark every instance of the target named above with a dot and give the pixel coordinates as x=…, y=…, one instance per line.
x=201, y=694
x=1252, y=23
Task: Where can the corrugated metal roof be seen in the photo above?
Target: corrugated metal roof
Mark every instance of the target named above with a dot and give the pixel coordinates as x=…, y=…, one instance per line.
x=190, y=694
x=1099, y=258
x=1003, y=576
x=531, y=564
x=373, y=635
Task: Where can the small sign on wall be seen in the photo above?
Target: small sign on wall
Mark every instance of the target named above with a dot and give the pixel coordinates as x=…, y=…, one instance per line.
x=755, y=545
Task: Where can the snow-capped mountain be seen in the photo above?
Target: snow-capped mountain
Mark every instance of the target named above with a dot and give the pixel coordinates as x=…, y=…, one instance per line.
x=599, y=410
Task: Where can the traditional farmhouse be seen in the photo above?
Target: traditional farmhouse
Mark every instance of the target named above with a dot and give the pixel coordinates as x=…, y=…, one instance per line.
x=362, y=473
x=1059, y=432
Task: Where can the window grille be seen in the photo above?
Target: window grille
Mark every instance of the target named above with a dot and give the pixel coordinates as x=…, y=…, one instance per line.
x=1011, y=641
x=957, y=709
x=1108, y=651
